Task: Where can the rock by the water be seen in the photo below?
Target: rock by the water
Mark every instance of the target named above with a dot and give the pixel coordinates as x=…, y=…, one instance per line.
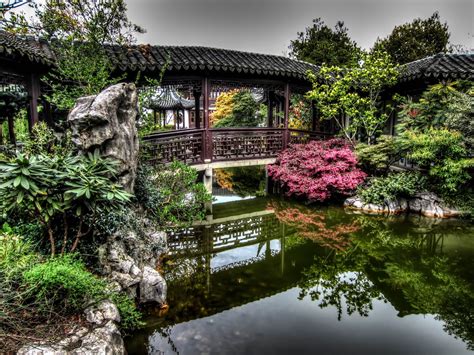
x=430, y=205
x=424, y=203
x=103, y=312
x=152, y=287
x=108, y=121
x=130, y=259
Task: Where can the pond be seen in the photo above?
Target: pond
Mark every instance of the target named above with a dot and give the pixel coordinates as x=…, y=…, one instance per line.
x=265, y=275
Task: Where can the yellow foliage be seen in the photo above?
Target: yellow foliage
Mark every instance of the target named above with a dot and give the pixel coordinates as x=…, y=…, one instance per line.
x=224, y=106
x=224, y=178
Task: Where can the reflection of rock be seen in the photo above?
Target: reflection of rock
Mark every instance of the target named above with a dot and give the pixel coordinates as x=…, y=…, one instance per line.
x=103, y=338
x=107, y=122
x=131, y=258
x=424, y=203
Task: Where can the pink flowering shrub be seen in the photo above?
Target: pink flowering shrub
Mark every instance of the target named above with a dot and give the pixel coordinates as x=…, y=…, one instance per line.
x=317, y=170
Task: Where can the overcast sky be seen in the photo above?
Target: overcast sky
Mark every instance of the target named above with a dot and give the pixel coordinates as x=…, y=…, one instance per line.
x=267, y=26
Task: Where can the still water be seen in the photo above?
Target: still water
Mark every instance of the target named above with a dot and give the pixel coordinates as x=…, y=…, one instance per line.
x=269, y=276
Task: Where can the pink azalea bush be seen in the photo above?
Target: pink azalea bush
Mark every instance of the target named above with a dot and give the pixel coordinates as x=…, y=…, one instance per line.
x=317, y=170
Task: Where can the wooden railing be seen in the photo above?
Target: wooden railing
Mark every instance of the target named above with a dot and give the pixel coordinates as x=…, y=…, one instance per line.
x=246, y=143
x=194, y=146
x=164, y=147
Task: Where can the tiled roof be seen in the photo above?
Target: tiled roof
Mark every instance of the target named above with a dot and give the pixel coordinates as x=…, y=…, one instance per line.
x=182, y=59
x=440, y=66
x=27, y=47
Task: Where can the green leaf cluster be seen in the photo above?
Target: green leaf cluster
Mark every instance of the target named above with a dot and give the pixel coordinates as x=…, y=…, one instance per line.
x=392, y=186
x=69, y=187
x=244, y=112
x=376, y=159
x=351, y=96
x=171, y=194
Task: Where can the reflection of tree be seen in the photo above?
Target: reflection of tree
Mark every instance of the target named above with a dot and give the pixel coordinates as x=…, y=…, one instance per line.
x=412, y=268
x=243, y=181
x=313, y=224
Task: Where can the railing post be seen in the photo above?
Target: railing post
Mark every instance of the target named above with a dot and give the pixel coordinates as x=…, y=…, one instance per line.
x=286, y=132
x=207, y=138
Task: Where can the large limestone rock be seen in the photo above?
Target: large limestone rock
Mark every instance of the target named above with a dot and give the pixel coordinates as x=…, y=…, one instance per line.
x=107, y=122
x=130, y=259
x=430, y=205
x=423, y=203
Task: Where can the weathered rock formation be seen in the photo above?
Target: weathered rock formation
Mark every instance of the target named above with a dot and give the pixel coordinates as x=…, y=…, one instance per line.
x=107, y=121
x=102, y=338
x=423, y=203
x=131, y=259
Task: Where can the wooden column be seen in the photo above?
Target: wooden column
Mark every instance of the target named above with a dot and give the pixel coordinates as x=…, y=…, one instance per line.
x=286, y=134
x=197, y=107
x=33, y=87
x=1, y=132
x=207, y=139
x=314, y=116
x=11, y=130
x=271, y=95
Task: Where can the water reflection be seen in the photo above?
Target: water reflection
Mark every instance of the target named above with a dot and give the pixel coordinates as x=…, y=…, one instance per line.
x=266, y=275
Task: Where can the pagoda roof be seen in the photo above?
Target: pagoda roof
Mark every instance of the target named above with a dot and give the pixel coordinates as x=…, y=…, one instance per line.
x=169, y=99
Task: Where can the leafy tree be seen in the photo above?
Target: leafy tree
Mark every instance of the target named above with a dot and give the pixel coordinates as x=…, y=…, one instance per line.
x=300, y=113
x=78, y=31
x=237, y=109
x=317, y=170
x=351, y=97
x=416, y=40
x=243, y=181
x=224, y=106
x=320, y=44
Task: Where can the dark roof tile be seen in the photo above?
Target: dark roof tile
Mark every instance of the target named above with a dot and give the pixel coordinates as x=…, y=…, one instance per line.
x=447, y=66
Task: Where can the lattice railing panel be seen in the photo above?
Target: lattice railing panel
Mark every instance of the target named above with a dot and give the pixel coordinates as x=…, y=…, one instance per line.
x=185, y=146
x=231, y=144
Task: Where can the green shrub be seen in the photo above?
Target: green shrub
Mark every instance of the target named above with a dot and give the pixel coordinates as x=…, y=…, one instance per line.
x=16, y=256
x=64, y=193
x=443, y=154
x=381, y=189
x=171, y=195
x=63, y=283
x=377, y=158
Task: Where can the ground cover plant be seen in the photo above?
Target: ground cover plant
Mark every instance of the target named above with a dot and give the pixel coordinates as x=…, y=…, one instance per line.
x=43, y=298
